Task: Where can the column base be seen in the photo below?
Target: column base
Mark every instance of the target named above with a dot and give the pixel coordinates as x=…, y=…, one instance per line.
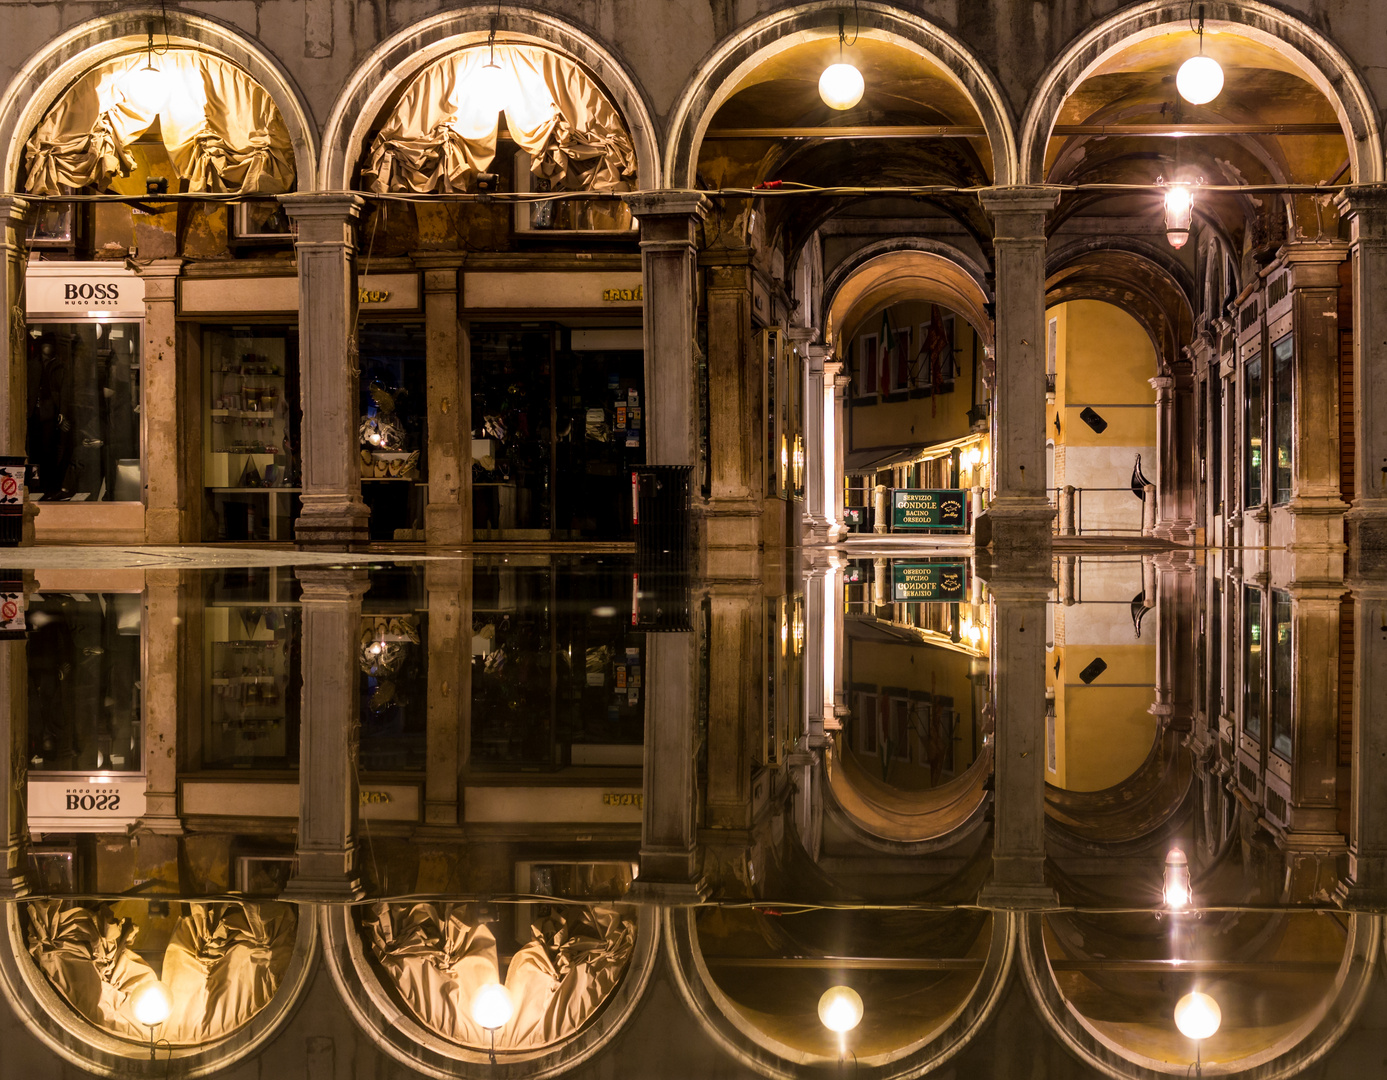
x=1365, y=528
x=1177, y=532
x=733, y=523
x=814, y=530
x=1016, y=528
x=1365, y=885
x=13, y=888
x=330, y=521
x=669, y=893
x=1017, y=897
x=444, y=525
x=304, y=890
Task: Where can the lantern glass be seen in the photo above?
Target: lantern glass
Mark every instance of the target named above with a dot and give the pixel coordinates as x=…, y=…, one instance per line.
x=1199, y=80
x=1197, y=1016
x=841, y=86
x=840, y=1008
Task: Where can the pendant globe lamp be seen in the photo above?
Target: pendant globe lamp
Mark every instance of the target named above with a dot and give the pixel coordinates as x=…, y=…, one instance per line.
x=841, y=85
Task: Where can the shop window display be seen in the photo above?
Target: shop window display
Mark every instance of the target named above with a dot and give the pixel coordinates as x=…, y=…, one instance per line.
x=392, y=428
x=84, y=411
x=84, y=683
x=251, y=432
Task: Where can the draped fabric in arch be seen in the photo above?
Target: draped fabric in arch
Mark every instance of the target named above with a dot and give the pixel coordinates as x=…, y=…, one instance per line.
x=222, y=965
x=222, y=130
x=445, y=126
x=436, y=960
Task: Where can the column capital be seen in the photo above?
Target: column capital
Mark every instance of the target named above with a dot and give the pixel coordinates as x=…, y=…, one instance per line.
x=322, y=205
x=1162, y=383
x=1367, y=208
x=802, y=335
x=13, y=209
x=332, y=585
x=1035, y=199
x=668, y=203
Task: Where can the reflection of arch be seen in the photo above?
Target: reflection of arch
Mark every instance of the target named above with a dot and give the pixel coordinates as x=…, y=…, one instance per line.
x=758, y=1051
x=1141, y=806
x=400, y=1034
x=1292, y=1055
x=891, y=271
x=398, y=59
x=77, y=1040
x=741, y=53
x=49, y=72
x=1314, y=55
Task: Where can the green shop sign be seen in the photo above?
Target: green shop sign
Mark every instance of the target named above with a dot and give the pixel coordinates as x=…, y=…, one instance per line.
x=923, y=508
x=928, y=582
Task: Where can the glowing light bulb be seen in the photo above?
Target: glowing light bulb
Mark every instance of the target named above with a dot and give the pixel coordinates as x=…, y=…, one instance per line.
x=1197, y=1016
x=841, y=86
x=1175, y=884
x=492, y=1006
x=840, y=1009
x=1199, y=80
x=1179, y=213
x=146, y=87
x=488, y=89
x=152, y=1007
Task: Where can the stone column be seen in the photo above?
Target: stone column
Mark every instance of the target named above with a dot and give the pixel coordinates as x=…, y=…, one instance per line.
x=1018, y=798
x=1366, y=883
x=14, y=761
x=835, y=403
x=332, y=514
x=448, y=585
x=816, y=629
x=448, y=513
x=1175, y=454
x=329, y=736
x=670, y=862
x=163, y=696
x=1173, y=575
x=737, y=415
x=14, y=357
x=1313, y=809
x=168, y=458
x=1019, y=517
x=816, y=522
x=1366, y=210
x=1317, y=507
x=669, y=223
x=736, y=713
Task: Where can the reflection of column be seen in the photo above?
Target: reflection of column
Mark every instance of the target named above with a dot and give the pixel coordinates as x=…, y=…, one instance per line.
x=1174, y=584
x=669, y=220
x=816, y=627
x=835, y=665
x=166, y=514
x=670, y=869
x=14, y=362
x=835, y=402
x=329, y=722
x=329, y=369
x=1174, y=454
x=14, y=744
x=448, y=513
x=737, y=416
x=1020, y=513
x=162, y=691
x=736, y=700
x=1366, y=209
x=1018, y=832
x=1313, y=807
x=815, y=452
x=1366, y=883
x=448, y=737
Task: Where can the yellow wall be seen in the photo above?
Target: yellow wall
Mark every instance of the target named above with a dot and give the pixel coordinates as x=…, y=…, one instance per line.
x=1103, y=731
x=1105, y=357
x=910, y=423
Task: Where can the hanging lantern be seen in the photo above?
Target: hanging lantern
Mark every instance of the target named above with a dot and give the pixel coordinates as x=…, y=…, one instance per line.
x=1175, y=883
x=1200, y=78
x=147, y=87
x=841, y=85
x=1179, y=213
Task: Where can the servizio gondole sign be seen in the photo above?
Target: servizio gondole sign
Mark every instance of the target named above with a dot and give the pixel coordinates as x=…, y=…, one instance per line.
x=927, y=508
x=928, y=582
x=85, y=804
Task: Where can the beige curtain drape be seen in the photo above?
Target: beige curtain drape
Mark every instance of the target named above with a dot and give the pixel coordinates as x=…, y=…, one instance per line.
x=223, y=132
x=437, y=961
x=446, y=124
x=223, y=964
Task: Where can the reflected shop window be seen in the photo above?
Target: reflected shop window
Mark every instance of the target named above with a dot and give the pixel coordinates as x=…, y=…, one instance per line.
x=394, y=665
x=84, y=411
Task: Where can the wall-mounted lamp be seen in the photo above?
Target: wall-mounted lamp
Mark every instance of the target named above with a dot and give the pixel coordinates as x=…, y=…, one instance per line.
x=841, y=85
x=1200, y=79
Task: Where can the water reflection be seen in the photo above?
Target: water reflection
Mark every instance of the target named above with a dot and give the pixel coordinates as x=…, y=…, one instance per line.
x=539, y=773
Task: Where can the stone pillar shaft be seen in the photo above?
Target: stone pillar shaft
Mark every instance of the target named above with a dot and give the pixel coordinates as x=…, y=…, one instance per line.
x=332, y=513
x=14, y=765
x=329, y=732
x=1175, y=455
x=1020, y=510
x=735, y=701
x=1315, y=713
x=1366, y=883
x=167, y=461
x=815, y=452
x=835, y=405
x=162, y=697
x=448, y=514
x=669, y=222
x=449, y=725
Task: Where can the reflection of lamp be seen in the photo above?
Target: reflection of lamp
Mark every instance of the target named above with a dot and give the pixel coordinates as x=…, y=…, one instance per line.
x=1198, y=1017
x=152, y=1008
x=1200, y=78
x=1175, y=884
x=841, y=85
x=1179, y=212
x=492, y=1008
x=840, y=1010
